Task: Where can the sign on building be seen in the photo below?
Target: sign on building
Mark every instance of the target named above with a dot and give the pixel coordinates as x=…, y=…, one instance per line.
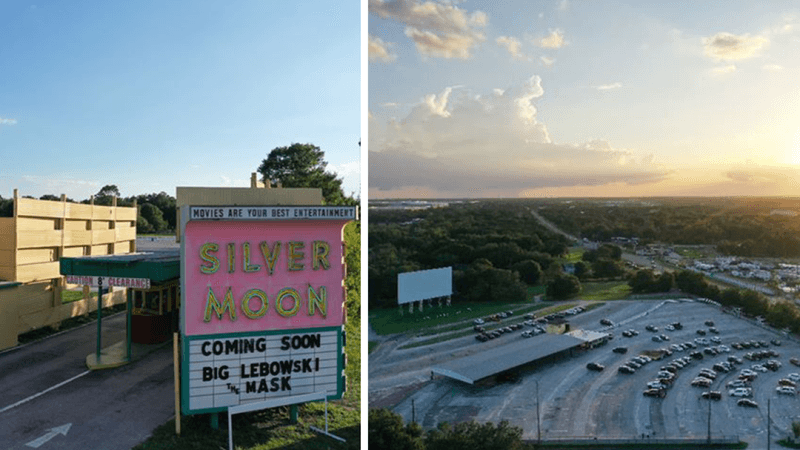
x=263, y=304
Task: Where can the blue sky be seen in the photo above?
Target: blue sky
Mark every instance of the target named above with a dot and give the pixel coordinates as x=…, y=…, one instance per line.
x=583, y=98
x=150, y=95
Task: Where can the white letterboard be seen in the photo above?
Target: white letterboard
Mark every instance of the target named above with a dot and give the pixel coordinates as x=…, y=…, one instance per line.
x=225, y=372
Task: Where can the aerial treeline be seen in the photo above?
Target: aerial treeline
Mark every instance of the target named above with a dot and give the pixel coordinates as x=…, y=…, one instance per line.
x=736, y=226
x=388, y=432
x=496, y=248
x=778, y=313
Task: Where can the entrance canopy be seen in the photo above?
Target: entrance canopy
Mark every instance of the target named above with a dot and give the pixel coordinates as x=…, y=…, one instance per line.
x=157, y=266
x=130, y=270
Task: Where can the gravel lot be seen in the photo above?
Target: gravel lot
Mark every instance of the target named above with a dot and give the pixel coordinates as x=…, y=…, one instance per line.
x=579, y=402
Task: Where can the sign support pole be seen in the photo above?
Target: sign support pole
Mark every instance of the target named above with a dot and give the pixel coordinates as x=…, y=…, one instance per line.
x=293, y=413
x=99, y=317
x=129, y=294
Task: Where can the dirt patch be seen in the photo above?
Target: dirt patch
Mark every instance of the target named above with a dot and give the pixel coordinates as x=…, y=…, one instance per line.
x=394, y=397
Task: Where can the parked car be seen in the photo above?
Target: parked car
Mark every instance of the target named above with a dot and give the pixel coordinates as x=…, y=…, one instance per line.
x=786, y=382
x=701, y=332
x=477, y=322
x=795, y=361
x=482, y=337
x=620, y=350
x=660, y=393
x=709, y=323
x=747, y=402
x=606, y=322
x=626, y=369
x=741, y=392
x=712, y=395
x=701, y=382
x=776, y=342
x=785, y=390
x=595, y=366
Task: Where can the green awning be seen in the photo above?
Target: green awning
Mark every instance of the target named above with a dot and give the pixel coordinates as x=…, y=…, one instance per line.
x=157, y=266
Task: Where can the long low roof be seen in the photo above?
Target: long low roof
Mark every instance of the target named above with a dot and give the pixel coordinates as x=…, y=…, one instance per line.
x=494, y=360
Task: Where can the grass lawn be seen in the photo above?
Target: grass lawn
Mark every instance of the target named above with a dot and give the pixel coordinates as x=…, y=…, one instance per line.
x=373, y=346
x=74, y=296
x=390, y=321
x=605, y=290
x=575, y=254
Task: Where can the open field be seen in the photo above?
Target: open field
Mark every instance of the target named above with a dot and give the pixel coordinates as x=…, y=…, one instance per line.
x=576, y=402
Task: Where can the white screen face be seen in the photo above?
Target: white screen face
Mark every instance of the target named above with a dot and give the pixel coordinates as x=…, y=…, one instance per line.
x=425, y=284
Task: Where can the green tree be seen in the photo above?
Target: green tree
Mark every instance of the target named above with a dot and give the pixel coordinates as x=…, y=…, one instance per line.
x=582, y=270
x=472, y=435
x=529, y=271
x=303, y=165
x=154, y=218
x=563, y=287
x=106, y=194
x=606, y=268
x=387, y=431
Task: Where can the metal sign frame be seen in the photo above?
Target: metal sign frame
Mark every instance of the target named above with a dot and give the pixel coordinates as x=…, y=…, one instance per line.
x=249, y=213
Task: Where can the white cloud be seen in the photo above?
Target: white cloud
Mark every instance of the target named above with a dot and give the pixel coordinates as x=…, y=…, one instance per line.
x=563, y=5
x=772, y=67
x=8, y=121
x=380, y=51
x=513, y=45
x=723, y=70
x=608, y=87
x=438, y=29
x=548, y=62
x=439, y=106
x=730, y=47
x=346, y=169
x=446, y=46
x=553, y=40
x=459, y=142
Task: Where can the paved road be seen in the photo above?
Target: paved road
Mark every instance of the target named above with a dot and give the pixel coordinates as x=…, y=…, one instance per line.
x=112, y=409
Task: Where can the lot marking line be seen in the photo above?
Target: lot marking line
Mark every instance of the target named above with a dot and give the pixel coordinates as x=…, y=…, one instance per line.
x=25, y=400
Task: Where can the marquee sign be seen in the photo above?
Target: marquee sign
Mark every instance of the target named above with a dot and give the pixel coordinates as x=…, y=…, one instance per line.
x=263, y=304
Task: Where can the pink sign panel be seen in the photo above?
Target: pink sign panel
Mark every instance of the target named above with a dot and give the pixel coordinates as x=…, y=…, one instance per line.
x=262, y=275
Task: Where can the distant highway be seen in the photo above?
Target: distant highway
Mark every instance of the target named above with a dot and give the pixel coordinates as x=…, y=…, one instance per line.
x=547, y=224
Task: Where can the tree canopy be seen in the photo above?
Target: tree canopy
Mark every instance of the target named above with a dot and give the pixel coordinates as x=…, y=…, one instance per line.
x=303, y=165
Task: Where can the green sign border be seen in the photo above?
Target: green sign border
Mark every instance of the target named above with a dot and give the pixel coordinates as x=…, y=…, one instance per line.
x=186, y=340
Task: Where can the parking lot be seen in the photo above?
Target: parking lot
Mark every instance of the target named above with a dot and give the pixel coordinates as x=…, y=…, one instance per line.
x=575, y=401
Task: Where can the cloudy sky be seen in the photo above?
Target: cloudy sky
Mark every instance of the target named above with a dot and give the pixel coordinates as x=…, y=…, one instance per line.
x=583, y=98
x=150, y=95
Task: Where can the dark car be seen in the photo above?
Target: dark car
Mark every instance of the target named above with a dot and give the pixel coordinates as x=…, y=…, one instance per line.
x=677, y=325
x=620, y=350
x=660, y=393
x=701, y=332
x=606, y=322
x=595, y=366
x=696, y=355
x=713, y=330
x=747, y=402
x=626, y=369
x=712, y=395
x=709, y=323
x=478, y=328
x=776, y=342
x=482, y=337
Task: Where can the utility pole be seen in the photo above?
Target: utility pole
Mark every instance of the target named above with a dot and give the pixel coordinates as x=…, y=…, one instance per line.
x=413, y=411
x=709, y=418
x=769, y=425
x=538, y=422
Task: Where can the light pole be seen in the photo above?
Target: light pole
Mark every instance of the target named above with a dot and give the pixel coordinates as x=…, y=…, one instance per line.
x=538, y=422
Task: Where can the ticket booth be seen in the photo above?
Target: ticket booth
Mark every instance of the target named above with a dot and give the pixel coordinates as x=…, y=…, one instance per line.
x=154, y=313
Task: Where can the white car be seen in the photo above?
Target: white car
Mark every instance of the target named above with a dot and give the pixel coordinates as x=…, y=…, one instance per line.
x=477, y=322
x=759, y=368
x=741, y=392
x=794, y=376
x=785, y=390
